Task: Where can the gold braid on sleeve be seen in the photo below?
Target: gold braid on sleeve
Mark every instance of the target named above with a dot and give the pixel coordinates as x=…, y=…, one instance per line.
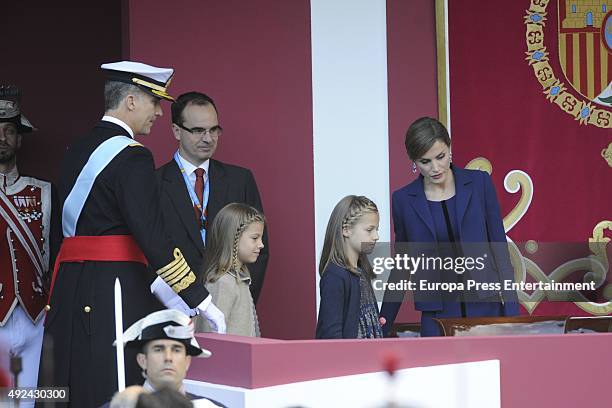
x=177, y=273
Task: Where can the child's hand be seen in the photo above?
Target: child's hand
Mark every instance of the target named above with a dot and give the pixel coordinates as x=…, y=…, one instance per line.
x=382, y=321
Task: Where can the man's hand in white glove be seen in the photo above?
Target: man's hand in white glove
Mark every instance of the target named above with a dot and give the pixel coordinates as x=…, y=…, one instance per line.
x=169, y=298
x=207, y=309
x=215, y=317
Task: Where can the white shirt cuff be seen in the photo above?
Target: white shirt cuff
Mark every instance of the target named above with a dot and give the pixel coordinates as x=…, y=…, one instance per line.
x=204, y=305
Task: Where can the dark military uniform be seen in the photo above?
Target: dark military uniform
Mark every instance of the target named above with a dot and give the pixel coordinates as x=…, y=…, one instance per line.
x=79, y=330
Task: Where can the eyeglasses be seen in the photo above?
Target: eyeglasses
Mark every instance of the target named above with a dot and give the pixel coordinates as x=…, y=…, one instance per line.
x=214, y=131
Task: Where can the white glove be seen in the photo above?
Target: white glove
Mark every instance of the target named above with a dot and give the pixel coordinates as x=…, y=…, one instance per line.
x=215, y=317
x=169, y=298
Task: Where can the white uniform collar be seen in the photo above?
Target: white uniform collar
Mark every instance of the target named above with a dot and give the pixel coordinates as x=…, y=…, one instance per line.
x=119, y=122
x=190, y=168
x=8, y=179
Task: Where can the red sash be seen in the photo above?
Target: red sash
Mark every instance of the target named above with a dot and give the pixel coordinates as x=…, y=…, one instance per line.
x=110, y=248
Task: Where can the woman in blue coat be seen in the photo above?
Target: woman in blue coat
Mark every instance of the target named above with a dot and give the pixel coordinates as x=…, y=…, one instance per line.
x=456, y=210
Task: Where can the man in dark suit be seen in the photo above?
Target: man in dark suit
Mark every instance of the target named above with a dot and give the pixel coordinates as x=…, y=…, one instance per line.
x=194, y=186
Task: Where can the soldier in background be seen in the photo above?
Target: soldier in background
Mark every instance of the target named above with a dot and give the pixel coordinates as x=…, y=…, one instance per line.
x=29, y=238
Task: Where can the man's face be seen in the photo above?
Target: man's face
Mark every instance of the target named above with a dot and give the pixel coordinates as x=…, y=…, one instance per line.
x=147, y=109
x=165, y=363
x=197, y=146
x=10, y=141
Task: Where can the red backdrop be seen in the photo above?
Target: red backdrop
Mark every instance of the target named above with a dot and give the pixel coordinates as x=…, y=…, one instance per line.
x=411, y=56
x=499, y=111
x=47, y=51
x=253, y=59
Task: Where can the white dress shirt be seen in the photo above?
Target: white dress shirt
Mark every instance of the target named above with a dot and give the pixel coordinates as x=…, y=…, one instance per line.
x=190, y=169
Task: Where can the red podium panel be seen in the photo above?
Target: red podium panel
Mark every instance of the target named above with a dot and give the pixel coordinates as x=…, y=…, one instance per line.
x=544, y=370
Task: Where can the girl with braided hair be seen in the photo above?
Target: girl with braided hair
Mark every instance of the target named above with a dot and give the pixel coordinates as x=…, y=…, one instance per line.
x=234, y=240
x=348, y=308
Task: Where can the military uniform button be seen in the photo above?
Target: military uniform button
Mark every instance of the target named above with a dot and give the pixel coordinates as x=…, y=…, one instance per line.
x=87, y=309
x=47, y=308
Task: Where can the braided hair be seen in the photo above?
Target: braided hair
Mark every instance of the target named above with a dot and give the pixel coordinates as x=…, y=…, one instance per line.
x=221, y=255
x=345, y=215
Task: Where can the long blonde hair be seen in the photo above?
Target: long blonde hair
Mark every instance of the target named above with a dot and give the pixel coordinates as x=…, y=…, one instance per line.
x=221, y=254
x=345, y=214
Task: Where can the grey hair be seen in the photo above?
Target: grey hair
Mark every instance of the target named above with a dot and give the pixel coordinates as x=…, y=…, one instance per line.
x=115, y=92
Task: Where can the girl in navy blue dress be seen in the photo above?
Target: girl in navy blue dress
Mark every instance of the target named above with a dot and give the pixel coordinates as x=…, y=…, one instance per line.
x=348, y=307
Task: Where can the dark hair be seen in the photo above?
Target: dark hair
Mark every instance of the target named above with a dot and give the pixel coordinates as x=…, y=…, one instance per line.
x=115, y=92
x=163, y=398
x=189, y=98
x=422, y=134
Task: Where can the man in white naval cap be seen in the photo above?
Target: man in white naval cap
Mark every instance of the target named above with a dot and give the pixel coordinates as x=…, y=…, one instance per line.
x=165, y=343
x=112, y=227
x=29, y=239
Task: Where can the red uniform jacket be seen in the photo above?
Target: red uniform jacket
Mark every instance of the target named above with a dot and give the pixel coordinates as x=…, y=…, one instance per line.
x=25, y=225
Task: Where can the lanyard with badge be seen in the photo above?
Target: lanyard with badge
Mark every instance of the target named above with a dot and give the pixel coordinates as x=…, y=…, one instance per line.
x=194, y=198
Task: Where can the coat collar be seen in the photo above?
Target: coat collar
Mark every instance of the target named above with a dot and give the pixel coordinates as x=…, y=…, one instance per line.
x=117, y=130
x=118, y=122
x=463, y=194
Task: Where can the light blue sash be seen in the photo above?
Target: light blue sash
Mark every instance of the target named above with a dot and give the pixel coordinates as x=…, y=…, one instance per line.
x=98, y=160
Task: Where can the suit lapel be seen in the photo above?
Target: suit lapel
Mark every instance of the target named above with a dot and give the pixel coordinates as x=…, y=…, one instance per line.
x=463, y=191
x=419, y=203
x=218, y=188
x=174, y=185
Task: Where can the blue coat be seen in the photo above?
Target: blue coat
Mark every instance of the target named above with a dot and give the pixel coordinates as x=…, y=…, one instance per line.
x=340, y=303
x=478, y=219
